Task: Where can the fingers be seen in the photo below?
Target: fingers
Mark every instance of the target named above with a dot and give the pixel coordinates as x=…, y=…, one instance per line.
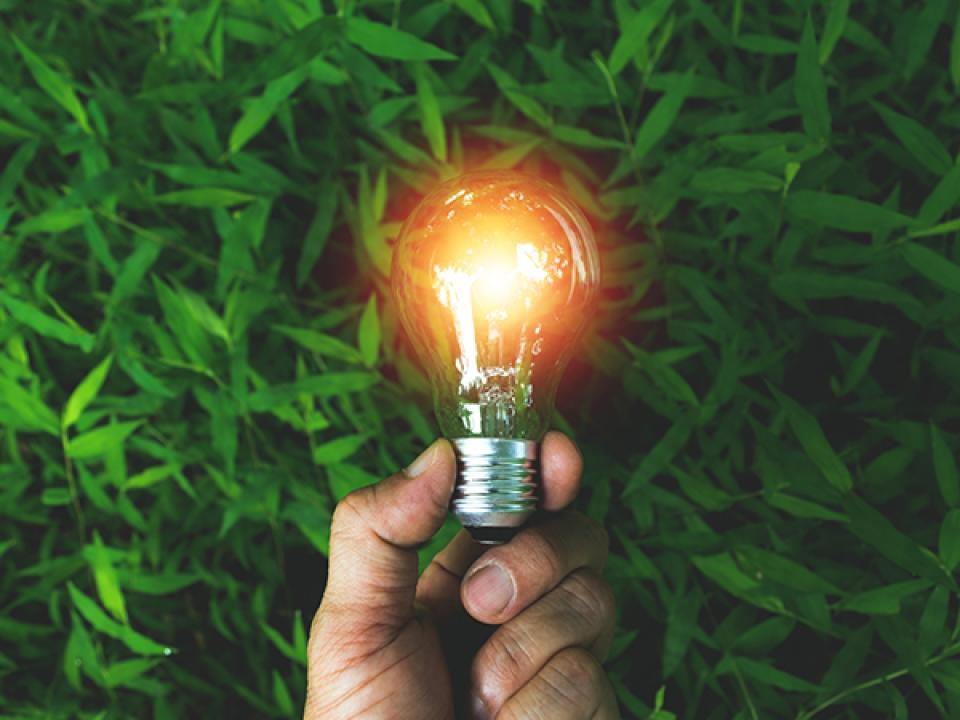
x=561, y=466
x=438, y=589
x=579, y=612
x=375, y=533
x=571, y=686
x=508, y=578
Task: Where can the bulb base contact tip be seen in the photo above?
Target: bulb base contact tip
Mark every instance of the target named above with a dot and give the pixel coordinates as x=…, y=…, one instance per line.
x=496, y=486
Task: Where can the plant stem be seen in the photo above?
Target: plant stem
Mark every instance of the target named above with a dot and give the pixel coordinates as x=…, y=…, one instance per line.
x=72, y=485
x=880, y=679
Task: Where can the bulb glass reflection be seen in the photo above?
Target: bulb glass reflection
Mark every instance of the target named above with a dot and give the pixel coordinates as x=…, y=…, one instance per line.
x=495, y=275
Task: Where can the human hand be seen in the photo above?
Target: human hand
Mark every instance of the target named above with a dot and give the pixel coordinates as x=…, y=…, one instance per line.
x=387, y=644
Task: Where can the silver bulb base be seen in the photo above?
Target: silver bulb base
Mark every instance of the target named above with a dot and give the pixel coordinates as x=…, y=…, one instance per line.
x=496, y=488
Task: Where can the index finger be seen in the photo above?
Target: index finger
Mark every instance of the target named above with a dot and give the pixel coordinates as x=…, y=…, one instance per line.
x=561, y=467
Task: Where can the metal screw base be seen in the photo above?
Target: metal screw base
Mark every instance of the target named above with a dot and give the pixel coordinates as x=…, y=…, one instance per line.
x=496, y=486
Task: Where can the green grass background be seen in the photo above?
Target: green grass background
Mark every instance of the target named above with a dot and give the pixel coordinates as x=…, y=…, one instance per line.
x=198, y=354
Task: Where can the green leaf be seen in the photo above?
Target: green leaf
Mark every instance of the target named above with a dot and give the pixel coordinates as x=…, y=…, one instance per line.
x=933, y=622
x=955, y=53
x=368, y=333
x=100, y=441
x=945, y=468
x=85, y=392
x=874, y=529
x=724, y=571
x=884, y=600
x=338, y=450
x=765, y=673
x=327, y=385
x=105, y=578
x=80, y=655
x=45, y=325
x=132, y=272
x=801, y=285
x=661, y=454
x=515, y=94
x=281, y=696
x=29, y=410
x=858, y=369
x=54, y=221
x=320, y=343
x=16, y=165
x=810, y=88
x=661, y=118
x=151, y=476
x=101, y=622
x=385, y=41
x=785, y=571
x=918, y=141
x=933, y=266
x=833, y=29
x=944, y=197
x=634, y=35
x=431, y=117
x=950, y=539
x=801, y=508
x=204, y=197
x=922, y=34
x=681, y=628
x=126, y=673
x=735, y=180
x=946, y=228
x=815, y=444
x=843, y=212
x=54, y=85
x=317, y=234
x=260, y=110
x=476, y=10
x=581, y=137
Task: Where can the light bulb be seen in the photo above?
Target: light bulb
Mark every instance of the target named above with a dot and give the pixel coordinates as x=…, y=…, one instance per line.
x=494, y=274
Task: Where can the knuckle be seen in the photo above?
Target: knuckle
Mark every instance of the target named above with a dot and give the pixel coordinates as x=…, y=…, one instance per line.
x=353, y=508
x=575, y=676
x=501, y=662
x=589, y=596
x=544, y=553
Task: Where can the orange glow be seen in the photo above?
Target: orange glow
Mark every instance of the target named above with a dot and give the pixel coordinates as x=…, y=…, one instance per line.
x=495, y=273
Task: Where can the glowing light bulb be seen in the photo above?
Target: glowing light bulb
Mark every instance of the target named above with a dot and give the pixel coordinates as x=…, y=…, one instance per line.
x=495, y=274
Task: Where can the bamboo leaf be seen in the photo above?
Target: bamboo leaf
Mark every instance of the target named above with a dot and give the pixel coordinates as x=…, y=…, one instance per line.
x=661, y=118
x=53, y=84
x=933, y=266
x=919, y=142
x=810, y=88
x=385, y=41
x=945, y=468
x=810, y=435
x=43, y=324
x=368, y=334
x=85, y=392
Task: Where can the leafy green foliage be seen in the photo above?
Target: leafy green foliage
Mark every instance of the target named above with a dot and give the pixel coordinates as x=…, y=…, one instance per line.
x=199, y=355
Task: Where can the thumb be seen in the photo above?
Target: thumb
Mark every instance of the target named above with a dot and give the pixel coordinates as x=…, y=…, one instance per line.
x=376, y=531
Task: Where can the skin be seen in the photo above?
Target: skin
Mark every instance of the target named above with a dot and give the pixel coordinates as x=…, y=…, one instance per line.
x=386, y=643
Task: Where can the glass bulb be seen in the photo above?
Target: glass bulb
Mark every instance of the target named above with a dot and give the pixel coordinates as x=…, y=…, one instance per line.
x=494, y=274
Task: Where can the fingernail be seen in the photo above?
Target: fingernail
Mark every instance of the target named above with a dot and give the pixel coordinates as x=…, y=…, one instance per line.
x=422, y=463
x=489, y=590
x=478, y=709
